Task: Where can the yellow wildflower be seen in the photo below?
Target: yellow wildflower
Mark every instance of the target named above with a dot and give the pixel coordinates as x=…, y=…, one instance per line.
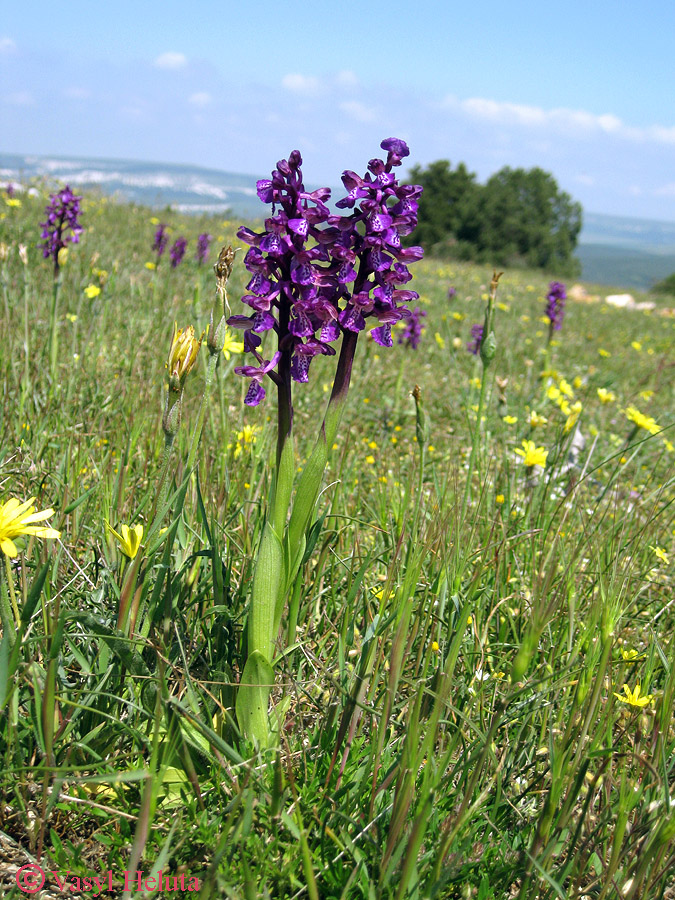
x=18, y=518
x=535, y=419
x=573, y=417
x=533, y=455
x=13, y=201
x=641, y=420
x=440, y=340
x=630, y=655
x=248, y=434
x=435, y=646
x=129, y=540
x=661, y=553
x=231, y=345
x=510, y=420
x=604, y=353
x=565, y=388
x=150, y=266
x=606, y=396
x=636, y=345
x=500, y=498
x=183, y=352
x=634, y=698
x=92, y=290
x=370, y=460
x=553, y=393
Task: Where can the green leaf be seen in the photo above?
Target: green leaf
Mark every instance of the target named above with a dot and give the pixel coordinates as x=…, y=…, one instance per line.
x=267, y=582
x=253, y=699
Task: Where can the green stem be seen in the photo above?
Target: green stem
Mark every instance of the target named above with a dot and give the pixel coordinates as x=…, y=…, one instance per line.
x=12, y=594
x=162, y=483
x=197, y=433
x=475, y=439
x=53, y=325
x=6, y=617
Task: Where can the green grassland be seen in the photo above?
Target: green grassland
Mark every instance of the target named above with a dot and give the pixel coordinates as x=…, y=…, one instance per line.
x=453, y=721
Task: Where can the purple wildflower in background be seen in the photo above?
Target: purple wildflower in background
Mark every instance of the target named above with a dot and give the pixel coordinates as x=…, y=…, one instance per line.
x=177, y=252
x=476, y=339
x=555, y=305
x=203, y=242
x=161, y=240
x=61, y=213
x=451, y=292
x=9, y=189
x=317, y=276
x=413, y=333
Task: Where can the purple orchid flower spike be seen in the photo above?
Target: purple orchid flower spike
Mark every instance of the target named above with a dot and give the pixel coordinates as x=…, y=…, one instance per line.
x=473, y=345
x=555, y=304
x=61, y=225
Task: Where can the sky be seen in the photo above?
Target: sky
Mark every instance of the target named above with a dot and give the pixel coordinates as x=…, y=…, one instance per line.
x=583, y=90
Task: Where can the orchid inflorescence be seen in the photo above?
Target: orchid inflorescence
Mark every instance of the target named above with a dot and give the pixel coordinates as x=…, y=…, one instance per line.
x=203, y=243
x=555, y=304
x=317, y=275
x=61, y=225
x=412, y=335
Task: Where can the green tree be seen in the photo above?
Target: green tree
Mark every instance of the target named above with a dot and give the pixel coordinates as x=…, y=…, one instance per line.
x=525, y=219
x=448, y=208
x=519, y=217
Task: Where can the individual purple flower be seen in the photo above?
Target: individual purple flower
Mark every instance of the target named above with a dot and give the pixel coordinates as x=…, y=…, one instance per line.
x=61, y=225
x=476, y=339
x=452, y=291
x=413, y=333
x=256, y=391
x=317, y=276
x=555, y=304
x=177, y=252
x=161, y=240
x=203, y=242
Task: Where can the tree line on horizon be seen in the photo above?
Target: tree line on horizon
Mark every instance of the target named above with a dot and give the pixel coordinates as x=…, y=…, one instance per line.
x=518, y=218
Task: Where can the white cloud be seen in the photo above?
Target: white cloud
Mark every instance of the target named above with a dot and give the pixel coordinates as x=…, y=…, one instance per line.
x=359, y=111
x=662, y=135
x=20, y=98
x=559, y=119
x=7, y=46
x=346, y=79
x=503, y=112
x=77, y=93
x=666, y=190
x=201, y=99
x=171, y=60
x=307, y=85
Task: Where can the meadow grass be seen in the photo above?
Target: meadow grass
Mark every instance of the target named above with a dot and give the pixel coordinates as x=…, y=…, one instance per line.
x=451, y=714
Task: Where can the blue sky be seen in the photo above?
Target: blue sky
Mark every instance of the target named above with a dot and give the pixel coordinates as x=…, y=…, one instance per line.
x=584, y=90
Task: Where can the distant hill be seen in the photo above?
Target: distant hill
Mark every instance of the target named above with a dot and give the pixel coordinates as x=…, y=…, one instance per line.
x=187, y=188
x=621, y=251
x=612, y=249
x=622, y=266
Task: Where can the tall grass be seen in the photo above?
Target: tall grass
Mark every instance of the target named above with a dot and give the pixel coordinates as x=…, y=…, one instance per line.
x=447, y=713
